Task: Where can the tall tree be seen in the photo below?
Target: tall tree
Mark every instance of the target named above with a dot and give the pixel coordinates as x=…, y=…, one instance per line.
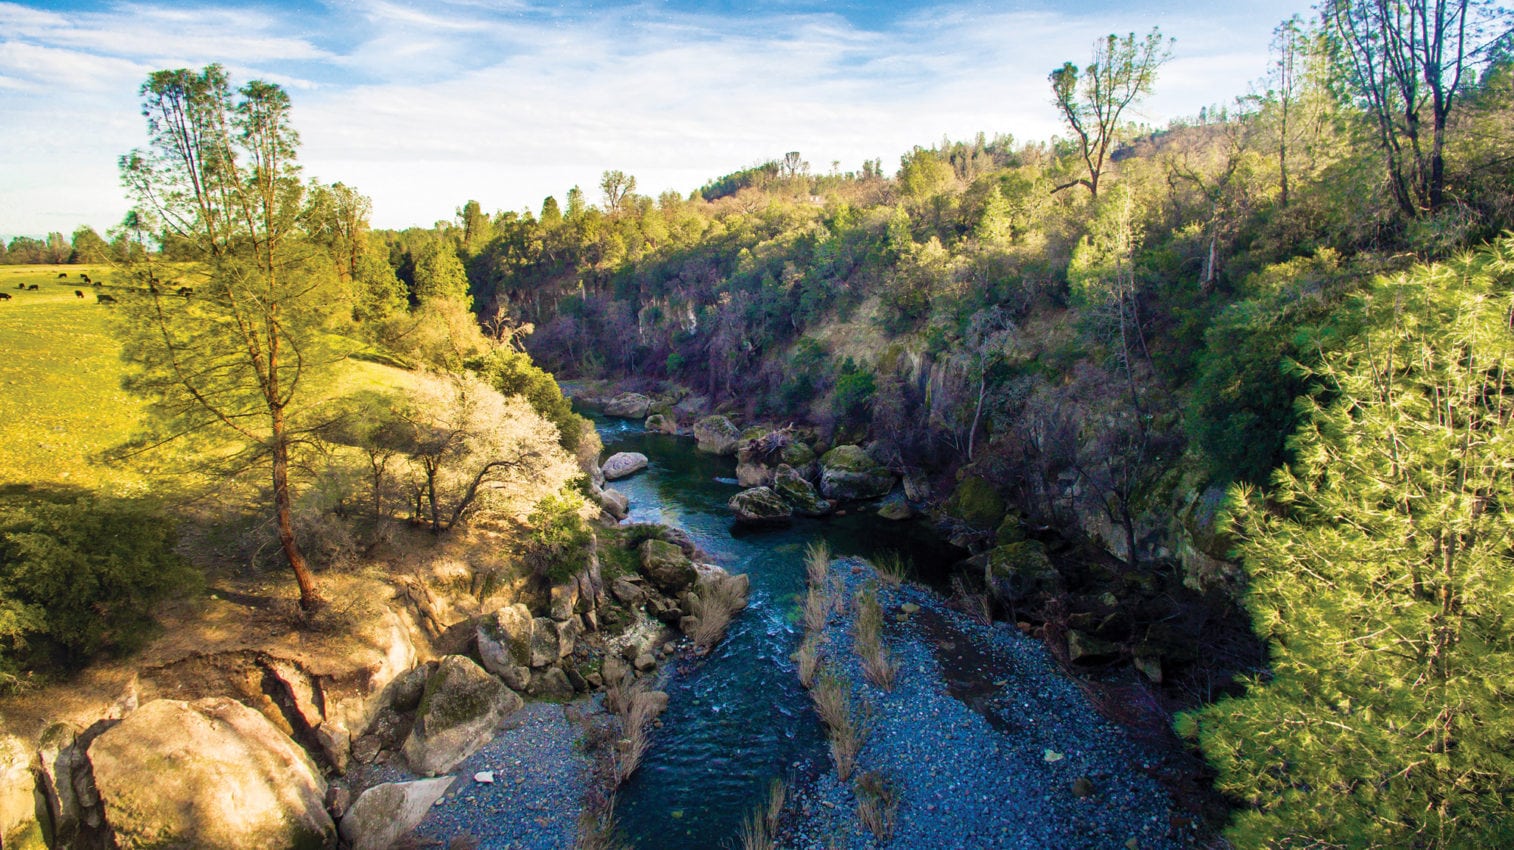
x=1407, y=60
x=235, y=362
x=1092, y=101
x=617, y=187
x=1379, y=567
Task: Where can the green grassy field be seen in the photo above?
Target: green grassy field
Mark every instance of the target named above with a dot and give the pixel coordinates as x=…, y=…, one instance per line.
x=61, y=402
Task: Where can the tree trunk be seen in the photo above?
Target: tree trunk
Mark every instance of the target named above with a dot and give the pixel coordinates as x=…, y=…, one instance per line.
x=283, y=516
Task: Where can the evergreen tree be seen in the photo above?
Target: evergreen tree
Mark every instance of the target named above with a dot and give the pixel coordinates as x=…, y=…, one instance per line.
x=1380, y=574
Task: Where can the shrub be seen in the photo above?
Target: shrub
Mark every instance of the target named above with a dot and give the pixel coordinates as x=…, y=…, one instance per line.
x=512, y=373
x=560, y=543
x=79, y=575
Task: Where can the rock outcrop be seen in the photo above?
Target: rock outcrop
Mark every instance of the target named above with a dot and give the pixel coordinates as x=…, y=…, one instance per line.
x=458, y=713
x=504, y=641
x=622, y=464
x=628, y=406
x=799, y=492
x=666, y=566
x=211, y=773
x=848, y=472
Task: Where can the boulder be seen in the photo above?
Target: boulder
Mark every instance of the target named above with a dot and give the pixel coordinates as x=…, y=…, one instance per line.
x=545, y=649
x=505, y=638
x=976, y=502
x=211, y=773
x=627, y=591
x=760, y=506
x=461, y=708
x=659, y=423
x=753, y=474
x=1086, y=648
x=614, y=503
x=895, y=509
x=567, y=635
x=628, y=406
x=666, y=566
x=1015, y=572
x=384, y=813
x=621, y=464
x=917, y=487
x=799, y=492
x=551, y=683
x=716, y=434
x=564, y=600
x=801, y=457
x=848, y=472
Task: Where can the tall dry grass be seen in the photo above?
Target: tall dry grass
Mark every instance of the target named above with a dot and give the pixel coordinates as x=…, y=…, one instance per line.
x=718, y=601
x=892, y=568
x=759, y=829
x=817, y=609
x=844, y=723
x=877, y=805
x=636, y=714
x=878, y=663
x=817, y=563
x=808, y=658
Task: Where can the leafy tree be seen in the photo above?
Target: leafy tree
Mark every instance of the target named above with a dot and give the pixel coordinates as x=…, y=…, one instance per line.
x=512, y=373
x=1379, y=567
x=1092, y=101
x=1407, y=61
x=617, y=187
x=88, y=247
x=439, y=275
x=237, y=362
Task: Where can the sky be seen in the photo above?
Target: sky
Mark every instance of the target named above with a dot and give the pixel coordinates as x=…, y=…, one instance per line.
x=424, y=106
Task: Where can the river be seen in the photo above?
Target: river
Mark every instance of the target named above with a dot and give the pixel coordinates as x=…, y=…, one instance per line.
x=737, y=718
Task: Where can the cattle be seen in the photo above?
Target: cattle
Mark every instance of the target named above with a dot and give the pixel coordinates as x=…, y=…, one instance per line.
x=84, y=277
x=62, y=275
x=20, y=286
x=103, y=298
x=5, y=296
x=152, y=289
x=31, y=288
x=78, y=293
x=185, y=291
x=96, y=284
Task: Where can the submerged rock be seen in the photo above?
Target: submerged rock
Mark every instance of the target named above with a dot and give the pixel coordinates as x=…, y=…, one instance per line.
x=760, y=506
x=458, y=714
x=848, y=472
x=621, y=464
x=660, y=423
x=211, y=773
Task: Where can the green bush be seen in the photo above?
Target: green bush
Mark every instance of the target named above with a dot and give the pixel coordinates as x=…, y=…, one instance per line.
x=560, y=543
x=78, y=576
x=513, y=373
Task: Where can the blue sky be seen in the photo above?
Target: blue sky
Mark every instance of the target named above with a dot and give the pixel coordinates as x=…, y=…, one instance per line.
x=424, y=106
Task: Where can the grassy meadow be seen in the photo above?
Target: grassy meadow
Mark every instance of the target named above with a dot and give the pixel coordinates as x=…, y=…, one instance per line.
x=61, y=402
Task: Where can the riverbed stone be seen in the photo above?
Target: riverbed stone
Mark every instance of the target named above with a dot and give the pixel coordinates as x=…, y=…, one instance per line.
x=666, y=566
x=614, y=502
x=504, y=639
x=622, y=464
x=211, y=773
x=461, y=708
x=661, y=423
x=760, y=506
x=848, y=472
x=628, y=406
x=895, y=510
x=716, y=435
x=564, y=600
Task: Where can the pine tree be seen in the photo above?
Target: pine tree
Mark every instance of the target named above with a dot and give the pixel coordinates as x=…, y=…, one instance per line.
x=1381, y=574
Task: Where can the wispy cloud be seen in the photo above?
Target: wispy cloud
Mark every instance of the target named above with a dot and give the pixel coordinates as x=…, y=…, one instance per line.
x=424, y=107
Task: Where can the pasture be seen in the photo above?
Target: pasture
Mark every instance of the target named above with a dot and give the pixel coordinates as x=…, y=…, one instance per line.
x=61, y=402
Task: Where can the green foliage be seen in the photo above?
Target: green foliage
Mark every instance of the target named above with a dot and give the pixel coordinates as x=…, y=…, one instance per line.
x=976, y=502
x=1380, y=574
x=853, y=396
x=439, y=274
x=559, y=543
x=79, y=574
x=512, y=373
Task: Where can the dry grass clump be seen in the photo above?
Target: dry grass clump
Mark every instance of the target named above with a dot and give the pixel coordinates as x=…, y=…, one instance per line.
x=808, y=658
x=892, y=568
x=636, y=711
x=716, y=605
x=597, y=829
x=817, y=563
x=973, y=603
x=878, y=663
x=844, y=723
x=877, y=805
x=817, y=608
x=759, y=830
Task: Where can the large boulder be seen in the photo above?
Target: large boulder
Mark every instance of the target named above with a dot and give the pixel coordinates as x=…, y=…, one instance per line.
x=458, y=714
x=799, y=492
x=1015, y=572
x=384, y=813
x=716, y=434
x=504, y=643
x=614, y=502
x=621, y=464
x=545, y=646
x=848, y=472
x=661, y=423
x=760, y=506
x=628, y=406
x=211, y=773
x=666, y=566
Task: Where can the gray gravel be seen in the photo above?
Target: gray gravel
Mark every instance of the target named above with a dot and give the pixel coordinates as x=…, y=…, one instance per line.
x=998, y=776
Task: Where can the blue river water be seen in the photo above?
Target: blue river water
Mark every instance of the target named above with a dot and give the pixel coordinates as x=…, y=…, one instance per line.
x=737, y=718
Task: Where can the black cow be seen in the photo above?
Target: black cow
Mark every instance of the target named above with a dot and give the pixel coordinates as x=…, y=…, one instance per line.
x=31, y=288
x=96, y=284
x=84, y=277
x=20, y=286
x=103, y=298
x=5, y=296
x=78, y=293
x=185, y=291
x=62, y=275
